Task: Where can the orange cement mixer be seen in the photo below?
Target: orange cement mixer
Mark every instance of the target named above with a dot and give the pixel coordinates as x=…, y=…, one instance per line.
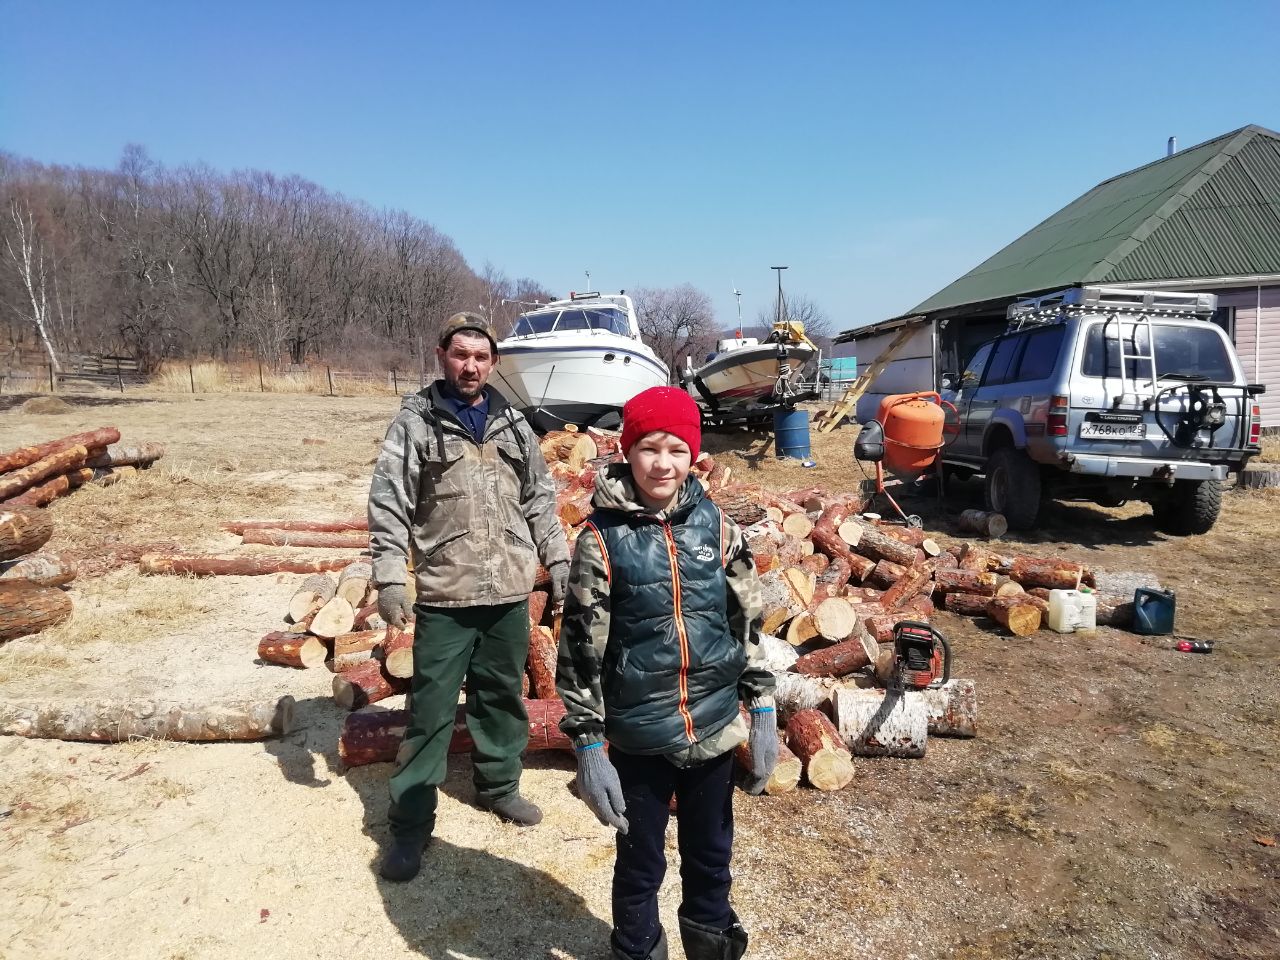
x=913, y=424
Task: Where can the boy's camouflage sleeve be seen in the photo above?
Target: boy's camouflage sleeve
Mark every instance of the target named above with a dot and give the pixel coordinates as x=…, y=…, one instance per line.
x=584, y=633
x=746, y=608
x=393, y=496
x=538, y=501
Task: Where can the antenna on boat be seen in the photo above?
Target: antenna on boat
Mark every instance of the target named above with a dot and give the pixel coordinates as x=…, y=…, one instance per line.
x=738, y=293
x=781, y=302
x=588, y=273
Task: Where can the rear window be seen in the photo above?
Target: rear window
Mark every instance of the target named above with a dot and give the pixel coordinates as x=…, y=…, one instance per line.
x=1041, y=354
x=1195, y=351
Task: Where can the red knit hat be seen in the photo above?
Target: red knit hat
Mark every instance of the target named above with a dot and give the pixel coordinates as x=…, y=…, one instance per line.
x=662, y=408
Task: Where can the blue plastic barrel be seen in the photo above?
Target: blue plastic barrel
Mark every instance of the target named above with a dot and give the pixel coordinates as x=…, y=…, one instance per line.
x=791, y=433
x=1153, y=611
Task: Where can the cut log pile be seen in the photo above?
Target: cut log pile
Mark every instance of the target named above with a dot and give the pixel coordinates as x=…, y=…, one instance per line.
x=30, y=598
x=37, y=475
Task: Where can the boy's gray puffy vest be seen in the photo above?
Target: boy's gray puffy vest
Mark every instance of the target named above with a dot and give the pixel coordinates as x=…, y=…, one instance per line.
x=671, y=667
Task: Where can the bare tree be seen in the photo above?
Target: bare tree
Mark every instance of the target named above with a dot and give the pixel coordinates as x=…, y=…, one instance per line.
x=676, y=322
x=817, y=324
x=29, y=260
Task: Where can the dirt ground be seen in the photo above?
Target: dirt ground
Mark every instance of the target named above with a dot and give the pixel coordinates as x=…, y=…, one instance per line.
x=1119, y=802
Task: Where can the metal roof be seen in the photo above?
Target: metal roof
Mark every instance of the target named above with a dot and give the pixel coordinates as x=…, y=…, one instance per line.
x=1212, y=210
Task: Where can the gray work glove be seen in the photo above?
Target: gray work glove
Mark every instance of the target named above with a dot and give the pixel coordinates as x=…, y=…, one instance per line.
x=763, y=745
x=559, y=581
x=600, y=788
x=393, y=604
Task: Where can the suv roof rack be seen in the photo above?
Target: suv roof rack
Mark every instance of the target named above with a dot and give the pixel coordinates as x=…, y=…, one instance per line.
x=1074, y=301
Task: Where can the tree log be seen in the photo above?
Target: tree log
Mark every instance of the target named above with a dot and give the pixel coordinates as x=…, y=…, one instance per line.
x=354, y=582
x=115, y=720
x=23, y=530
x=794, y=692
x=801, y=629
x=1112, y=611
x=1009, y=588
x=539, y=600
x=1015, y=614
x=877, y=545
x=873, y=723
x=786, y=772
x=41, y=569
x=127, y=455
x=334, y=618
x=542, y=663
x=374, y=736
x=993, y=526
x=967, y=581
x=945, y=560
x=355, y=540
x=292, y=650
x=739, y=504
x=840, y=660
x=312, y=526
x=972, y=557
x=14, y=483
x=570, y=448
x=1054, y=574
x=915, y=581
x=317, y=590
x=26, y=608
x=367, y=617
x=359, y=641
x=778, y=654
x=911, y=536
x=43, y=494
x=885, y=574
x=816, y=742
x=952, y=708
x=397, y=653
x=247, y=566
x=834, y=619
x=110, y=476
x=25, y=456
x=966, y=604
x=815, y=564
x=797, y=525
x=782, y=597
x=364, y=684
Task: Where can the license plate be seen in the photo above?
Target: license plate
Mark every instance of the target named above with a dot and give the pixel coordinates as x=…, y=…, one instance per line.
x=1113, y=431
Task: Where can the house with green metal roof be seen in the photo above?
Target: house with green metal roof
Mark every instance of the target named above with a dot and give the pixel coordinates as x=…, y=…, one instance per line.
x=1206, y=218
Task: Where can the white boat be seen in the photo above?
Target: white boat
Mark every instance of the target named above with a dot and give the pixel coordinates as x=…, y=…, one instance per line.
x=745, y=371
x=576, y=361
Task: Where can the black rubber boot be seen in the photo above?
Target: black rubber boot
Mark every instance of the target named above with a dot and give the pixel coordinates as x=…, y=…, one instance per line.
x=659, y=951
x=514, y=809
x=707, y=943
x=402, y=861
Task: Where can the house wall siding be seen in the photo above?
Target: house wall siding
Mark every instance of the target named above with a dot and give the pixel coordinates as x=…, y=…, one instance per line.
x=1259, y=356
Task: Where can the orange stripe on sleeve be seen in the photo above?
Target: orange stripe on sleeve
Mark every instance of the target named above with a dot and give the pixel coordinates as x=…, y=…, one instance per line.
x=604, y=553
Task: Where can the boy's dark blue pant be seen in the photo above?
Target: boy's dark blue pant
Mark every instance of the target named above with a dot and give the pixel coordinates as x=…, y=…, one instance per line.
x=704, y=825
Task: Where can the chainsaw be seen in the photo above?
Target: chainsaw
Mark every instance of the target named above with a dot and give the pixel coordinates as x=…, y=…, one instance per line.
x=922, y=657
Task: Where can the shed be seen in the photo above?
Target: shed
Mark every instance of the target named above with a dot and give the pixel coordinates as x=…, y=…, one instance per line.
x=1205, y=219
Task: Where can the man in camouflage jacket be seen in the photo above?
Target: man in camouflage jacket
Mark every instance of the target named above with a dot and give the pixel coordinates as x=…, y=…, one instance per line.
x=462, y=492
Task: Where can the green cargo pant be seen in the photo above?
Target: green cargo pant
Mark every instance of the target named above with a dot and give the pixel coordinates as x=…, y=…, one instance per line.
x=488, y=647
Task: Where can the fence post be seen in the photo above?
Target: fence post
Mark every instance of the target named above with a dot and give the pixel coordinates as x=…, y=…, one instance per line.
x=191, y=372
x=329, y=374
x=52, y=388
x=119, y=378
x=262, y=387
x=395, y=382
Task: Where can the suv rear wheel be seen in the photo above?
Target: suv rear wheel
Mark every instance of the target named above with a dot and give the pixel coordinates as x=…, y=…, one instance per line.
x=1013, y=487
x=1191, y=507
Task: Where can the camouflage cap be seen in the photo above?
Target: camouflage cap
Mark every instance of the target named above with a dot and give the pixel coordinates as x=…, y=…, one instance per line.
x=466, y=320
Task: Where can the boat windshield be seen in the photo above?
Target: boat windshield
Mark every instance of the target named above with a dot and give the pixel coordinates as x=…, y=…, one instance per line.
x=607, y=319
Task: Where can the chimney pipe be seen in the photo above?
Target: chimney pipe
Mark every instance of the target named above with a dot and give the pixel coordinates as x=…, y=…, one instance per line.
x=1172, y=147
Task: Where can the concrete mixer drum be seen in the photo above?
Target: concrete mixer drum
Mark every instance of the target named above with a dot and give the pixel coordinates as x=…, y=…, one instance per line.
x=913, y=432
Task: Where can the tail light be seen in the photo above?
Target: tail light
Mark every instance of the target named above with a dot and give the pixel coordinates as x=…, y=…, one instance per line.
x=1255, y=425
x=1057, y=421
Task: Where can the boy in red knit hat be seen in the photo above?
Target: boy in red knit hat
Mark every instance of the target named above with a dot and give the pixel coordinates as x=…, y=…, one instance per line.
x=658, y=647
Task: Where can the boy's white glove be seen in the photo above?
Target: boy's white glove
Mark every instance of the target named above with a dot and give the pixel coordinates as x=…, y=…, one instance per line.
x=600, y=787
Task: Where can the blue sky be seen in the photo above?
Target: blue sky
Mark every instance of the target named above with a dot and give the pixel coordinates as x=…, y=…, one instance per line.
x=878, y=150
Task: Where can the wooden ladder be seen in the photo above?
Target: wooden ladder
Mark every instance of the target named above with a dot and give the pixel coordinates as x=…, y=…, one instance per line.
x=849, y=401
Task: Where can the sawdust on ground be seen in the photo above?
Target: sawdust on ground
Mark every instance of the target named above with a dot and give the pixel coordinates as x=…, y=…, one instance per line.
x=1119, y=802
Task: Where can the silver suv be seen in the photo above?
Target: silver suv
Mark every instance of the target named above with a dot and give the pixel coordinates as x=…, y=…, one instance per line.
x=1109, y=395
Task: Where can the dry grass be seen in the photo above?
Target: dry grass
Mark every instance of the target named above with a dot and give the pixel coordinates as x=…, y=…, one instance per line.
x=1018, y=814
x=212, y=376
x=1159, y=737
x=124, y=608
x=1078, y=784
x=1270, y=450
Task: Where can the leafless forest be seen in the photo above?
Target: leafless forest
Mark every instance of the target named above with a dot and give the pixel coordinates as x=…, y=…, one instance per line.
x=160, y=263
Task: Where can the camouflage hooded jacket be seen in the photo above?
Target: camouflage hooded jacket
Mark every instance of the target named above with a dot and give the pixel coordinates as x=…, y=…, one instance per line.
x=612, y=620
x=475, y=517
